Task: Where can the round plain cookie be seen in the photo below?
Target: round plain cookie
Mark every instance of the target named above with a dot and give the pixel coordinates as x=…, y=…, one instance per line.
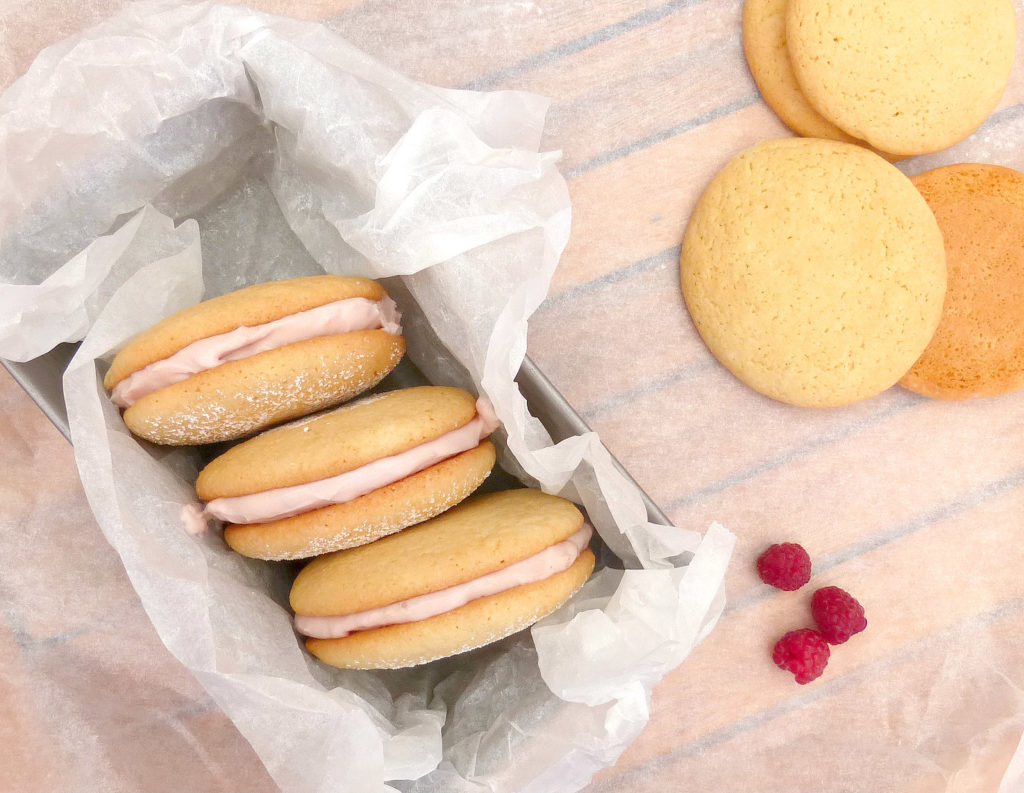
x=764, y=43
x=480, y=536
x=978, y=349
x=814, y=271
x=242, y=396
x=908, y=77
x=338, y=442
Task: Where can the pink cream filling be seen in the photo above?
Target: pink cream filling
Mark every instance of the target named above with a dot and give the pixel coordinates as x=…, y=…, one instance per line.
x=341, y=316
x=283, y=502
x=542, y=565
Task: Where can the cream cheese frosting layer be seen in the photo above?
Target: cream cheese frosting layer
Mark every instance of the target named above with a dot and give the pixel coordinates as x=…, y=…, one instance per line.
x=283, y=502
x=545, y=564
x=341, y=316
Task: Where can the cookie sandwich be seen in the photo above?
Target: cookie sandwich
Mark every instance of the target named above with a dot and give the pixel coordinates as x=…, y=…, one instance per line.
x=351, y=475
x=249, y=359
x=488, y=568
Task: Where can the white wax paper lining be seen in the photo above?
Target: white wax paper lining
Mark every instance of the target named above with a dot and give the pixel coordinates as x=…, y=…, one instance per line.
x=177, y=152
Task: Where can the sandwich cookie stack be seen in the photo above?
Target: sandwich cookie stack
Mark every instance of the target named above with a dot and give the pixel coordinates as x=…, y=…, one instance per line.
x=403, y=573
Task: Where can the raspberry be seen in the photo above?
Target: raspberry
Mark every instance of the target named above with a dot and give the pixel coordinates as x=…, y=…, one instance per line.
x=786, y=566
x=803, y=652
x=837, y=613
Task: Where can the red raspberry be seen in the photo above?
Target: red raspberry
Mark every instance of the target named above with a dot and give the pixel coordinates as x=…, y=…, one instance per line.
x=837, y=613
x=803, y=652
x=786, y=566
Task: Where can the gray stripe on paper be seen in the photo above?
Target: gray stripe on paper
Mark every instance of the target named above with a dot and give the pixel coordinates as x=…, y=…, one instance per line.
x=963, y=503
x=566, y=49
x=675, y=377
x=959, y=505
x=797, y=452
x=660, y=259
x=686, y=126
x=806, y=696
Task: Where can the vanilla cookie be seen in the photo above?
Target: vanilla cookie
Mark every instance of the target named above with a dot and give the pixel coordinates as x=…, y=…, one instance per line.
x=764, y=43
x=247, y=360
x=978, y=349
x=488, y=568
x=908, y=77
x=351, y=475
x=814, y=271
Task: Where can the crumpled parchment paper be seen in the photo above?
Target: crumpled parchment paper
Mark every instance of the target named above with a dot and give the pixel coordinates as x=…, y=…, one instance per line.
x=178, y=152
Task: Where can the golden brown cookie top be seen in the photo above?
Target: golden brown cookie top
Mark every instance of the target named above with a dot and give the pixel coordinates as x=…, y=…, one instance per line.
x=340, y=440
x=814, y=271
x=978, y=349
x=908, y=77
x=253, y=305
x=483, y=534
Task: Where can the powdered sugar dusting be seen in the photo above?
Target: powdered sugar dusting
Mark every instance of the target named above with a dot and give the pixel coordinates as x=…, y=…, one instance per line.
x=304, y=420
x=216, y=415
x=441, y=496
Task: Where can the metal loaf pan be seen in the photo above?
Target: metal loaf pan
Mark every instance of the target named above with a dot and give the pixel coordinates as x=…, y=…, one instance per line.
x=42, y=380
